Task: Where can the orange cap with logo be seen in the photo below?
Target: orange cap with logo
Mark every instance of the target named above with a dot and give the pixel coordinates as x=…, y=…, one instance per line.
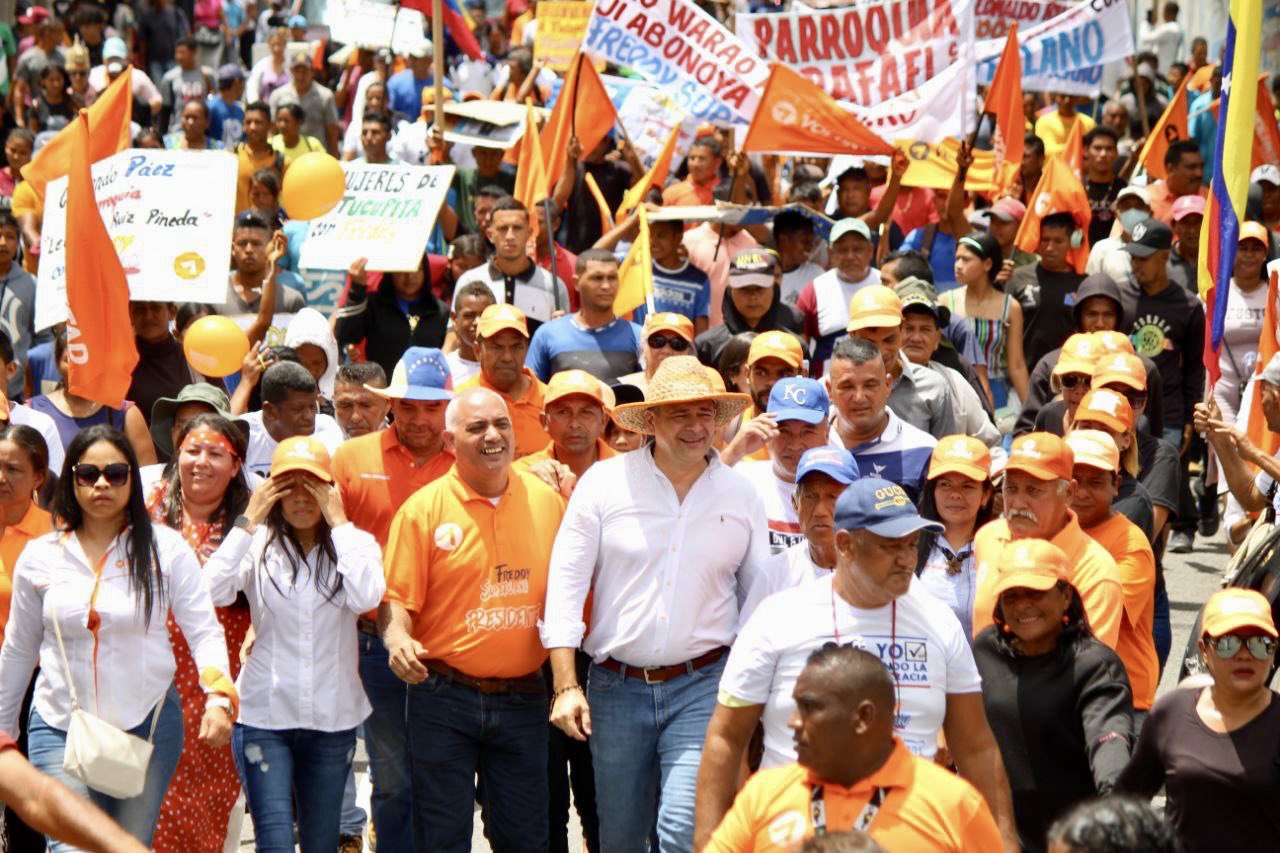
x=566, y=383
x=1079, y=354
x=1111, y=341
x=1123, y=368
x=1030, y=564
x=1043, y=455
x=1234, y=608
x=780, y=345
x=963, y=455
x=1094, y=449
x=874, y=307
x=669, y=321
x=501, y=316
x=1106, y=407
x=302, y=453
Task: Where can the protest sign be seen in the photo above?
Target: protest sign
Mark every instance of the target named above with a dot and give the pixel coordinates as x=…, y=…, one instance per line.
x=868, y=53
x=708, y=71
x=946, y=105
x=169, y=214
x=561, y=26
x=386, y=216
x=992, y=18
x=372, y=23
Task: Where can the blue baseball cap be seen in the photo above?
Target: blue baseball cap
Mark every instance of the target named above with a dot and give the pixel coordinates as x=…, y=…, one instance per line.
x=298, y=22
x=836, y=462
x=421, y=374
x=881, y=507
x=798, y=398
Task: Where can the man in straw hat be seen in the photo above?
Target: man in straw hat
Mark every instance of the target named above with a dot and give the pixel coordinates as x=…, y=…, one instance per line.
x=376, y=474
x=671, y=542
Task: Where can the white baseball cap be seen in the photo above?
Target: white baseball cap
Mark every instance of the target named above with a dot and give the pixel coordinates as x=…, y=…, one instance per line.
x=1268, y=174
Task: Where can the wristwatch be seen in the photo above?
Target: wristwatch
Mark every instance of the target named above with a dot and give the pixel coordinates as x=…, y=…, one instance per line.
x=243, y=522
x=216, y=701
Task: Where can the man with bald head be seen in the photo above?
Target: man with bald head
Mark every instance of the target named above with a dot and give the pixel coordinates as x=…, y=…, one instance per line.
x=460, y=623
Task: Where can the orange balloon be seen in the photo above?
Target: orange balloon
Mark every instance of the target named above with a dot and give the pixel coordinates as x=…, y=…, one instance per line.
x=313, y=186
x=215, y=346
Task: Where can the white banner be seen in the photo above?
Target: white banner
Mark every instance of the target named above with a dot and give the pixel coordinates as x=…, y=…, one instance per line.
x=386, y=216
x=946, y=105
x=169, y=214
x=374, y=24
x=708, y=71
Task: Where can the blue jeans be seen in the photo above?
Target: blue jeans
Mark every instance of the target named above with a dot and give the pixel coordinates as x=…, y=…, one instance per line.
x=456, y=733
x=1161, y=627
x=279, y=768
x=646, y=743
x=386, y=739
x=136, y=815
x=353, y=817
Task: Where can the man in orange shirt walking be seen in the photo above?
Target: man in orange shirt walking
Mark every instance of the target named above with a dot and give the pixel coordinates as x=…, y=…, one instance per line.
x=502, y=342
x=466, y=566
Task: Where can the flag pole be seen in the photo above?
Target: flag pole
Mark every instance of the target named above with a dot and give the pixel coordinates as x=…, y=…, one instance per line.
x=437, y=59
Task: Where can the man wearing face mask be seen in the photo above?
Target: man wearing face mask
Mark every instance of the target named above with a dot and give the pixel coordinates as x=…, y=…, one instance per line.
x=1132, y=205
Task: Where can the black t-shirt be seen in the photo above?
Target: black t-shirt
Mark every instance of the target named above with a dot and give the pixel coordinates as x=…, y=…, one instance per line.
x=1221, y=789
x=1169, y=329
x=580, y=226
x=1101, y=197
x=1047, y=300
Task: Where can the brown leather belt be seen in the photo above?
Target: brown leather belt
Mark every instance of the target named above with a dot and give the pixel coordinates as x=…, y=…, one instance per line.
x=367, y=626
x=532, y=683
x=659, y=674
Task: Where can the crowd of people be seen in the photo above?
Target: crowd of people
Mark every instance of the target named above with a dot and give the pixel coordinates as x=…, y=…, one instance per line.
x=852, y=536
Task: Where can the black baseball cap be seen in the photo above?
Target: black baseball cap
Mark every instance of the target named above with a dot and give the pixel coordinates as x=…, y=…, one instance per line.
x=1149, y=236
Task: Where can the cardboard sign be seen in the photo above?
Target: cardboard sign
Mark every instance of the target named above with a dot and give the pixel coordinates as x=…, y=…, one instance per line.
x=373, y=24
x=386, y=216
x=169, y=213
x=562, y=24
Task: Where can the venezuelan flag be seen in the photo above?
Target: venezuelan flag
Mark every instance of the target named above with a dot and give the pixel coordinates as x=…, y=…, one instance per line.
x=456, y=21
x=1232, y=158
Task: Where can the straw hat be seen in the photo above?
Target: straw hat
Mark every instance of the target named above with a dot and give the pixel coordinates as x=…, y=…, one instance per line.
x=680, y=379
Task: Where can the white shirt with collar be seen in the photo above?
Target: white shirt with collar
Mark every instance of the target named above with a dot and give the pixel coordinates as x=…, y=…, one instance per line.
x=43, y=424
x=54, y=580
x=302, y=672
x=257, y=458
x=669, y=578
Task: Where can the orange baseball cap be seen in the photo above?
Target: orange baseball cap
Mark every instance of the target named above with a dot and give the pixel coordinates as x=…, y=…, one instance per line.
x=1233, y=608
x=1043, y=455
x=1123, y=368
x=1106, y=407
x=1111, y=341
x=780, y=345
x=501, y=316
x=566, y=383
x=1030, y=564
x=963, y=455
x=1255, y=231
x=302, y=453
x=1078, y=356
x=874, y=307
x=1094, y=448
x=670, y=321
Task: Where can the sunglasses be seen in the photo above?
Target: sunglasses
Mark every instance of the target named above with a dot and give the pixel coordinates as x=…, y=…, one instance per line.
x=1228, y=646
x=675, y=342
x=1135, y=398
x=117, y=474
x=1071, y=380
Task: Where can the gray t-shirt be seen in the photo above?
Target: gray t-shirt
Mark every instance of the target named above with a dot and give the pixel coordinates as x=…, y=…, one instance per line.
x=318, y=107
x=32, y=63
x=288, y=301
x=178, y=87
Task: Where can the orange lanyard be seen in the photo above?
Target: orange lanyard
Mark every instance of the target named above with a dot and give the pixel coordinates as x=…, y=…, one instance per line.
x=94, y=620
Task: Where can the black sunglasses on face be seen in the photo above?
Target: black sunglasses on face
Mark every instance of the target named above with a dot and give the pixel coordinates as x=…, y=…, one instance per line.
x=675, y=342
x=1228, y=645
x=117, y=474
x=1071, y=380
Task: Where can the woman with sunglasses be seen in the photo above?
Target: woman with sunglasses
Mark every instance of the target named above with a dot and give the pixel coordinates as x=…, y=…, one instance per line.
x=200, y=495
x=1215, y=750
x=95, y=593
x=308, y=574
x=1070, y=381
x=1057, y=699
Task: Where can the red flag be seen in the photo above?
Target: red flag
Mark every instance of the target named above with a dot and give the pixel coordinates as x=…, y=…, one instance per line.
x=1004, y=102
x=583, y=109
x=1059, y=191
x=102, y=359
x=796, y=116
x=1171, y=127
x=1264, y=439
x=109, y=118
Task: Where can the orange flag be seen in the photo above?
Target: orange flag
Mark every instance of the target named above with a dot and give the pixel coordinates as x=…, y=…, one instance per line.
x=109, y=118
x=1004, y=102
x=1264, y=439
x=1059, y=191
x=1171, y=127
x=795, y=116
x=1266, y=134
x=582, y=109
x=606, y=219
x=655, y=177
x=531, y=172
x=102, y=359
x=1073, y=150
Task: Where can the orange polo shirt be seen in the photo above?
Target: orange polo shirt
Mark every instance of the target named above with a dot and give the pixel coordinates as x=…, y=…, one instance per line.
x=1093, y=574
x=473, y=575
x=761, y=455
x=686, y=193
x=925, y=808
x=376, y=475
x=1126, y=542
x=35, y=523
x=526, y=413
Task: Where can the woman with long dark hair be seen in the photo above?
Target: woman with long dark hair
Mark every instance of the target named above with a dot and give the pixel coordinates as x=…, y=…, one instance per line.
x=1058, y=700
x=88, y=605
x=201, y=494
x=308, y=574
x=957, y=492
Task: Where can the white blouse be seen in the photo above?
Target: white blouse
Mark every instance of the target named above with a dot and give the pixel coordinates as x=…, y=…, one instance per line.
x=53, y=579
x=302, y=672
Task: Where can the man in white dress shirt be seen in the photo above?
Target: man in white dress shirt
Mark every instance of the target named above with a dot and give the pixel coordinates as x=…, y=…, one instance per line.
x=670, y=541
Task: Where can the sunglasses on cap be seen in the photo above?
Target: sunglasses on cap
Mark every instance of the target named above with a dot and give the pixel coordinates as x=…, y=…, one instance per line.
x=1071, y=380
x=116, y=474
x=658, y=340
x=1228, y=646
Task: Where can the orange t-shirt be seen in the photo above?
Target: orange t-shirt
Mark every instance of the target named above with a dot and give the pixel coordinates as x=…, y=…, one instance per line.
x=686, y=193
x=603, y=451
x=1093, y=574
x=526, y=413
x=473, y=575
x=35, y=523
x=1126, y=542
x=761, y=455
x=1162, y=200
x=925, y=808
x=376, y=475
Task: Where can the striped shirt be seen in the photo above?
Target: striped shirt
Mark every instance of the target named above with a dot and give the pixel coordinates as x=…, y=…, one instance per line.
x=900, y=455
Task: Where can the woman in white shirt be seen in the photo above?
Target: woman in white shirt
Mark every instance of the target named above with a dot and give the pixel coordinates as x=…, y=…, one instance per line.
x=958, y=493
x=105, y=579
x=308, y=574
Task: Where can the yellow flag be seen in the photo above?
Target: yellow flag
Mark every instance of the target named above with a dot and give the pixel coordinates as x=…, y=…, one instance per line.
x=656, y=176
x=934, y=166
x=635, y=276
